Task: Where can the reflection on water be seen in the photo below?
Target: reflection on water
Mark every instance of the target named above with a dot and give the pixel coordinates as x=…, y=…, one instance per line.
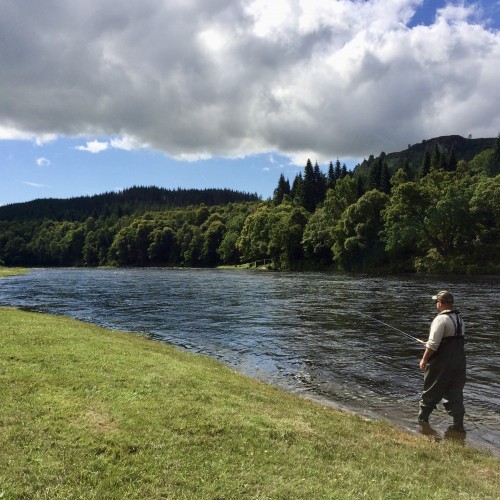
x=300, y=331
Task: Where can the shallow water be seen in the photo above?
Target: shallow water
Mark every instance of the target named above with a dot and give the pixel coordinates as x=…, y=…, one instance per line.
x=309, y=333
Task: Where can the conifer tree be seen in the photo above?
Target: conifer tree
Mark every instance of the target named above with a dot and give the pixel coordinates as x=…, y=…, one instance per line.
x=330, y=182
x=309, y=188
x=451, y=164
x=297, y=191
x=281, y=190
x=338, y=170
x=319, y=185
x=426, y=165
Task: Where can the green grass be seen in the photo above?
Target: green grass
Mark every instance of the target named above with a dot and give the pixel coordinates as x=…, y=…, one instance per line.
x=11, y=271
x=89, y=413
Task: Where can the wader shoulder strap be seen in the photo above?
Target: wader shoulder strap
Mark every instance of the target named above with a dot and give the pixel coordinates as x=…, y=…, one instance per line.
x=457, y=324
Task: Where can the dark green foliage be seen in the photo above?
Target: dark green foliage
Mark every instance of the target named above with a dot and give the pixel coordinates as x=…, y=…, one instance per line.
x=447, y=219
x=282, y=190
x=133, y=201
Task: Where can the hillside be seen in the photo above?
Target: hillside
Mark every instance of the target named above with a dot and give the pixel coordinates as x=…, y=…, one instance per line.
x=449, y=145
x=464, y=149
x=133, y=201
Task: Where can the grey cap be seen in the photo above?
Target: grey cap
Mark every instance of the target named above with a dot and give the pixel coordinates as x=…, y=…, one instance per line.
x=444, y=296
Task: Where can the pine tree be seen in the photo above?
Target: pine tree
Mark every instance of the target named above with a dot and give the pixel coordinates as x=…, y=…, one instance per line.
x=451, y=164
x=338, y=170
x=281, y=190
x=343, y=171
x=436, y=158
x=426, y=165
x=308, y=189
x=330, y=182
x=319, y=185
x=297, y=191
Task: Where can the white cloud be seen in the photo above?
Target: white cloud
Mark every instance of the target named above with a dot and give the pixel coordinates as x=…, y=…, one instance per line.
x=125, y=143
x=237, y=77
x=43, y=162
x=10, y=133
x=35, y=184
x=94, y=147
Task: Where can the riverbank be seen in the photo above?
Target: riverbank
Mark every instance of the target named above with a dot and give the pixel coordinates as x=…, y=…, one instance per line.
x=94, y=413
x=12, y=271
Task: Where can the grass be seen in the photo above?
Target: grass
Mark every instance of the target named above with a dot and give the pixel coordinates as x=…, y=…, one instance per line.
x=11, y=271
x=91, y=413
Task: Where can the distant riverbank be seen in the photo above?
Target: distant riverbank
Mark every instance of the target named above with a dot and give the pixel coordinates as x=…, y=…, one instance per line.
x=12, y=271
x=93, y=413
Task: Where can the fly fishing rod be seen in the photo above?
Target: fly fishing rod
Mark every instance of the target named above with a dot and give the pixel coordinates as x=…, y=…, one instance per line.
x=393, y=327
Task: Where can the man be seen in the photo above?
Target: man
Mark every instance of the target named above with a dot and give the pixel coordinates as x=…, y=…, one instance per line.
x=443, y=363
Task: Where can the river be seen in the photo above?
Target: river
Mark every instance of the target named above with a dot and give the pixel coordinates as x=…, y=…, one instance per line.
x=308, y=333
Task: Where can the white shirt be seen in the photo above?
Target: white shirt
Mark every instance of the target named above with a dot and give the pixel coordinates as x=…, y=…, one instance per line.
x=441, y=327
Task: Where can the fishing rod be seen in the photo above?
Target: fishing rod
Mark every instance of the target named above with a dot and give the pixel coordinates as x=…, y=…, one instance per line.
x=394, y=328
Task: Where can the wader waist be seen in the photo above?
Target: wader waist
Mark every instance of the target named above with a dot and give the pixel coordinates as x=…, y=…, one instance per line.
x=455, y=337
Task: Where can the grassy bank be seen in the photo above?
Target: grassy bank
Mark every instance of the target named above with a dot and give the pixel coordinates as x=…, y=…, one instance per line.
x=12, y=271
x=91, y=413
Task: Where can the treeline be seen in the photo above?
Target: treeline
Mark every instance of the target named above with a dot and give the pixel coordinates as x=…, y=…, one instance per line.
x=132, y=201
x=377, y=218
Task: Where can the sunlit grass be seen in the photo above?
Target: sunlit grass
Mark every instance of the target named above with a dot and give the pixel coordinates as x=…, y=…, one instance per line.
x=11, y=271
x=92, y=413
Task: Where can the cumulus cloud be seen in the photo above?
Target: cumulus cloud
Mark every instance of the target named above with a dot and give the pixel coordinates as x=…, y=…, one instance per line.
x=125, y=143
x=235, y=77
x=94, y=147
x=43, y=162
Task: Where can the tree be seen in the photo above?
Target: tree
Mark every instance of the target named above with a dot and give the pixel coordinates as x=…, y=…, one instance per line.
x=356, y=238
x=433, y=218
x=317, y=239
x=309, y=188
x=338, y=199
x=281, y=190
x=426, y=165
x=319, y=185
x=330, y=181
x=212, y=238
x=297, y=191
x=163, y=247
x=253, y=243
x=286, y=228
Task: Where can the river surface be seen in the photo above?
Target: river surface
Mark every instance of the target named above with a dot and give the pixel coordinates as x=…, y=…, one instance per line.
x=316, y=334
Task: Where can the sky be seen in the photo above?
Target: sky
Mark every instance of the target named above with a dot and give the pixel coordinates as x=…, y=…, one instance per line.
x=100, y=96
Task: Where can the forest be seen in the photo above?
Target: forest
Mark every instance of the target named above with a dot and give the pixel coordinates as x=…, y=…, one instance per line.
x=434, y=212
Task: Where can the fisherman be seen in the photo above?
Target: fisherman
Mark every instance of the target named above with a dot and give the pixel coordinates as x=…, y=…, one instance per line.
x=443, y=363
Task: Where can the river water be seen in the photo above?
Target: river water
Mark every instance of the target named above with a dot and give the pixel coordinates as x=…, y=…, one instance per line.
x=314, y=334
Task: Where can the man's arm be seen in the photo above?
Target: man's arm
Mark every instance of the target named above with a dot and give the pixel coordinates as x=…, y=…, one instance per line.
x=427, y=354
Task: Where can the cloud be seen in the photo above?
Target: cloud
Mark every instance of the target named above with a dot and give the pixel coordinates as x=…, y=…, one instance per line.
x=35, y=184
x=43, y=162
x=94, y=147
x=236, y=77
x=125, y=143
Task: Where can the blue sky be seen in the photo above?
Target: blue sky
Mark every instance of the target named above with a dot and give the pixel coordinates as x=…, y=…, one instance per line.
x=98, y=97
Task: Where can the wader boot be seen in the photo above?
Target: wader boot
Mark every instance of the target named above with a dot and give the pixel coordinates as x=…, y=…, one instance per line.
x=458, y=422
x=423, y=416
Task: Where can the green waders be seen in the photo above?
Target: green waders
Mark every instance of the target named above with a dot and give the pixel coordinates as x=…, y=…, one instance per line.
x=444, y=379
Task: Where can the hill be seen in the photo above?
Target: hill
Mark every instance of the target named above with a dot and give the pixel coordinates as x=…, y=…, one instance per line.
x=464, y=149
x=132, y=201
x=449, y=146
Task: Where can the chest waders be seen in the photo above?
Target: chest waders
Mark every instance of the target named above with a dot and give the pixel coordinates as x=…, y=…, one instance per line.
x=444, y=376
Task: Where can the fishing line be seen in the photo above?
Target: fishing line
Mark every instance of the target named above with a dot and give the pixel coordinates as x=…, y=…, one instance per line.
x=393, y=327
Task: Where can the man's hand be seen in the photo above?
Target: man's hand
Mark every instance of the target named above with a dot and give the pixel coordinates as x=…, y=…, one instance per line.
x=427, y=354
